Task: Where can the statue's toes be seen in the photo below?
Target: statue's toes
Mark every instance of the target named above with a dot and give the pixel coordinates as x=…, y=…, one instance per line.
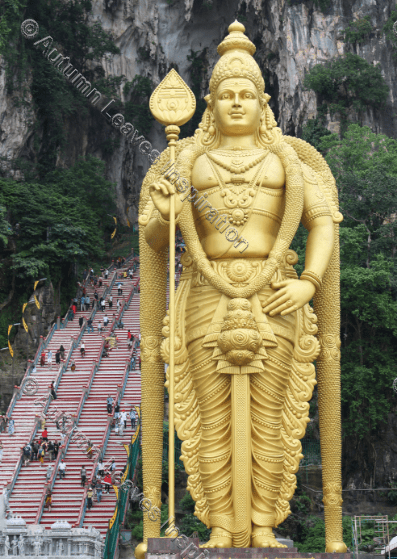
x=220, y=543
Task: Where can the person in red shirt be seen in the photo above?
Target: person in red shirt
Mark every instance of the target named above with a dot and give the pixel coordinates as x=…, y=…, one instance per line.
x=74, y=309
x=44, y=435
x=42, y=359
x=107, y=482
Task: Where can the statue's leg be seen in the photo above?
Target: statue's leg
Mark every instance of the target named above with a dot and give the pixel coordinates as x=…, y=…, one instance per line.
x=267, y=399
x=213, y=391
x=213, y=394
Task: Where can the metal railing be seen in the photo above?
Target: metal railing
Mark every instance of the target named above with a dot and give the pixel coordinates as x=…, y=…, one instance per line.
x=83, y=398
x=105, y=439
x=18, y=390
x=311, y=453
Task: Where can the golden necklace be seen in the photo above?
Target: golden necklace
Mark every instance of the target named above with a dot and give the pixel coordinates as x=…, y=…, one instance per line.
x=237, y=167
x=238, y=203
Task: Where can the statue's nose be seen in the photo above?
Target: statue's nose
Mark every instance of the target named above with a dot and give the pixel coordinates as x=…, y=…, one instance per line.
x=236, y=99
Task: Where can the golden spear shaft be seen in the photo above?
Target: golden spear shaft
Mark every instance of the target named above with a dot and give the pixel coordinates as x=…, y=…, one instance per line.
x=172, y=104
x=172, y=135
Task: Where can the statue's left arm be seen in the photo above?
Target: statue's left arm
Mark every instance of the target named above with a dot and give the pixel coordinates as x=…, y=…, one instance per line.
x=317, y=219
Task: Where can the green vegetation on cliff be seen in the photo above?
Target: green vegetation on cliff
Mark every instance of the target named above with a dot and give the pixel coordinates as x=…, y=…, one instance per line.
x=365, y=168
x=345, y=84
x=51, y=226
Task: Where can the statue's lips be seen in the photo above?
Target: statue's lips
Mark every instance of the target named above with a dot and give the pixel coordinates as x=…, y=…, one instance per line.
x=233, y=115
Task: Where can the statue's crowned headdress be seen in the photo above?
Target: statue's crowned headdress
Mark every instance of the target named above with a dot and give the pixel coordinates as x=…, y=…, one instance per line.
x=236, y=61
x=236, y=52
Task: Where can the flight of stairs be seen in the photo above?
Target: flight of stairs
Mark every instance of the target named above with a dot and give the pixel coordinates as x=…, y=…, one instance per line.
x=27, y=495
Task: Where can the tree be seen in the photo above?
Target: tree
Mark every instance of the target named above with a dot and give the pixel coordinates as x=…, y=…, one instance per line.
x=365, y=167
x=60, y=222
x=348, y=83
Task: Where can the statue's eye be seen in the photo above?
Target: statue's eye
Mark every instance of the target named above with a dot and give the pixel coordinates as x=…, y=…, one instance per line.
x=225, y=96
x=249, y=95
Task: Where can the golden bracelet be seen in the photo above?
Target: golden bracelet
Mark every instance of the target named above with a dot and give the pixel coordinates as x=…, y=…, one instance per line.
x=164, y=221
x=312, y=277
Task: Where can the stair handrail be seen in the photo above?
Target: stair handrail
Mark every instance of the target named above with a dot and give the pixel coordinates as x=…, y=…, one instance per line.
x=30, y=437
x=105, y=439
x=83, y=397
x=43, y=344
x=51, y=482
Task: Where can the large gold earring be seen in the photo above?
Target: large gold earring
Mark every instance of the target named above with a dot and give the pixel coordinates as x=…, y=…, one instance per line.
x=211, y=129
x=262, y=128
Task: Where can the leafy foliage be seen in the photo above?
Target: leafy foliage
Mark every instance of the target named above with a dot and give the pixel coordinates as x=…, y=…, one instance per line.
x=189, y=522
x=357, y=31
x=60, y=222
x=365, y=167
x=389, y=31
x=54, y=99
x=5, y=227
x=303, y=503
x=313, y=536
x=347, y=83
x=314, y=131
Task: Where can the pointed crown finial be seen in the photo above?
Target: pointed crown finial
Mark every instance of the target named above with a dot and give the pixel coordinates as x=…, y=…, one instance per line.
x=236, y=40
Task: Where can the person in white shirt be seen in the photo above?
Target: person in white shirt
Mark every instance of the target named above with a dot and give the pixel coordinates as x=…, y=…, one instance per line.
x=103, y=305
x=121, y=427
x=62, y=469
x=105, y=320
x=118, y=305
x=82, y=349
x=49, y=472
x=123, y=417
x=49, y=358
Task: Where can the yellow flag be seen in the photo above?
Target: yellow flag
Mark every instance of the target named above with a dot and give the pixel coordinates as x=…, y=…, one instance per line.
x=24, y=324
x=24, y=307
x=35, y=285
x=10, y=348
x=126, y=213
x=9, y=329
x=36, y=301
x=114, y=232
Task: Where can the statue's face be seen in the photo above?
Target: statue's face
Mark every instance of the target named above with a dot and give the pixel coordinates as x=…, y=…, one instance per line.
x=237, y=109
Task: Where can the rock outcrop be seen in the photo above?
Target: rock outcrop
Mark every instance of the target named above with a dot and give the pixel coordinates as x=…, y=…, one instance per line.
x=291, y=37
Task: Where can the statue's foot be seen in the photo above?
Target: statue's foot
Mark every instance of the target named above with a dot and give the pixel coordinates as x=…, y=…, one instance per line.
x=262, y=536
x=336, y=547
x=220, y=538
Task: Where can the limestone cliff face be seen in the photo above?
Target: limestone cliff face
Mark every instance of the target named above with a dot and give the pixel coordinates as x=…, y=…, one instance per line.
x=291, y=36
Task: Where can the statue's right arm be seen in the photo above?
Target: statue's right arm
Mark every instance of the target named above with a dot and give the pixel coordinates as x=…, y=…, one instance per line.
x=156, y=234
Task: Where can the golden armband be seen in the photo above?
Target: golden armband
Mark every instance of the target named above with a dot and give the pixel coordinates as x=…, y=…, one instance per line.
x=312, y=277
x=318, y=210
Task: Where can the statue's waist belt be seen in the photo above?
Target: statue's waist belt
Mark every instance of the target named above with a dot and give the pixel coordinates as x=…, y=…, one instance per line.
x=241, y=271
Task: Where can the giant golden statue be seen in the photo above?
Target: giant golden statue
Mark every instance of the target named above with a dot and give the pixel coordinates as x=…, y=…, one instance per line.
x=245, y=333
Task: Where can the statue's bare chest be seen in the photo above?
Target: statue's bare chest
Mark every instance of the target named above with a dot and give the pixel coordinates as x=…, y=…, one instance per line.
x=239, y=182
x=235, y=168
